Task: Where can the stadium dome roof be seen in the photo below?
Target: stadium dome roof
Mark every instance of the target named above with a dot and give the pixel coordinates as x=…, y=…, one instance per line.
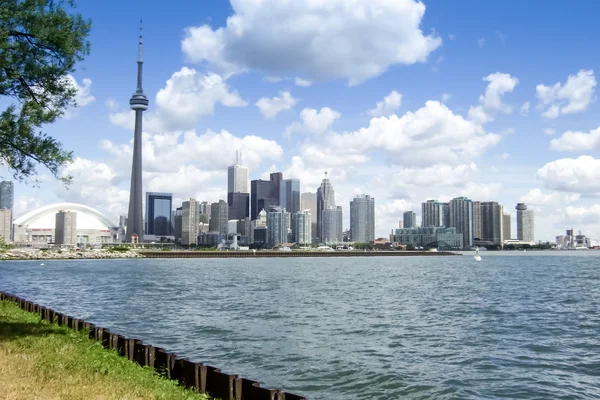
x=45, y=217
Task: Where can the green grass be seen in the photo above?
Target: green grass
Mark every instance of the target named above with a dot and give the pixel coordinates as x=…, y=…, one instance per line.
x=45, y=361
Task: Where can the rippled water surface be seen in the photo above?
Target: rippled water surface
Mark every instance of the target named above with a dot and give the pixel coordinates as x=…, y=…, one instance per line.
x=518, y=326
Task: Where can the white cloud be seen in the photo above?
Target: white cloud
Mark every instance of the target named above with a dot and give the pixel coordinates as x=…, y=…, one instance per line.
x=316, y=39
x=572, y=97
x=579, y=175
x=582, y=215
x=270, y=107
x=549, y=131
x=505, y=156
x=83, y=96
x=525, y=108
x=481, y=42
x=451, y=36
x=421, y=138
x=491, y=101
x=537, y=197
x=389, y=105
x=303, y=82
x=24, y=204
x=446, y=97
x=474, y=191
x=577, y=141
x=111, y=104
x=314, y=122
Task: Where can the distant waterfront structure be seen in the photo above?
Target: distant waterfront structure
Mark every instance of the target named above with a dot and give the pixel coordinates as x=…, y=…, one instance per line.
x=333, y=231
x=302, y=227
x=432, y=213
x=308, y=201
x=325, y=200
x=7, y=195
x=289, y=195
x=159, y=208
x=259, y=228
x=525, y=223
x=66, y=228
x=362, y=219
x=219, y=217
x=189, y=223
x=506, y=229
x=460, y=212
x=5, y=224
x=438, y=237
x=278, y=226
x=409, y=220
x=477, y=226
x=238, y=196
x=204, y=208
x=491, y=215
x=178, y=223
x=139, y=104
x=264, y=194
x=276, y=178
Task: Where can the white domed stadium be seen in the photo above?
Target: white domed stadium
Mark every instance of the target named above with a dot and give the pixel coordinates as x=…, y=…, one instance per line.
x=39, y=226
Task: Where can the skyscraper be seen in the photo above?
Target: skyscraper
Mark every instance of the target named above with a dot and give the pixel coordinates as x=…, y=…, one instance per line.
x=325, y=200
x=219, y=217
x=506, y=229
x=278, y=225
x=289, y=195
x=65, y=229
x=264, y=194
x=276, y=178
x=238, y=197
x=332, y=225
x=491, y=214
x=362, y=219
x=477, y=234
x=432, y=214
x=302, y=227
x=525, y=223
x=461, y=218
x=409, y=219
x=7, y=195
x=5, y=224
x=189, y=223
x=159, y=207
x=308, y=201
x=139, y=104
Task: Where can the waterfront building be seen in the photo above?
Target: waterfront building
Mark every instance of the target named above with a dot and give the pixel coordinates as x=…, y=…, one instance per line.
x=429, y=237
x=189, y=223
x=302, y=227
x=325, y=200
x=477, y=234
x=491, y=215
x=238, y=196
x=219, y=217
x=239, y=205
x=264, y=194
x=308, y=201
x=460, y=211
x=289, y=195
x=5, y=224
x=332, y=226
x=65, y=228
x=38, y=227
x=278, y=226
x=139, y=104
x=158, y=213
x=204, y=208
x=276, y=178
x=432, y=213
x=409, y=220
x=506, y=229
x=7, y=195
x=525, y=223
x=178, y=223
x=362, y=219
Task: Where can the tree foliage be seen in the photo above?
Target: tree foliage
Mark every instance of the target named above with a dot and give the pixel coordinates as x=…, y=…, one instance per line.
x=40, y=43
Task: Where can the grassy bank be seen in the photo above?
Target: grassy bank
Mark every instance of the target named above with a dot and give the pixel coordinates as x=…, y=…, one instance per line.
x=44, y=361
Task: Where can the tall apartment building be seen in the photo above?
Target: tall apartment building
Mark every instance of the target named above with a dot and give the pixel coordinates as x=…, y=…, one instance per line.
x=492, y=222
x=477, y=233
x=65, y=229
x=278, y=226
x=332, y=226
x=308, y=201
x=460, y=211
x=506, y=229
x=219, y=216
x=189, y=223
x=525, y=223
x=159, y=208
x=432, y=214
x=178, y=223
x=362, y=219
x=409, y=220
x=325, y=200
x=302, y=227
x=289, y=195
x=276, y=178
x=7, y=195
x=5, y=224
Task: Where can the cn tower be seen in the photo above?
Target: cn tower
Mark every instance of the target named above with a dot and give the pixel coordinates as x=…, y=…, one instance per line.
x=139, y=104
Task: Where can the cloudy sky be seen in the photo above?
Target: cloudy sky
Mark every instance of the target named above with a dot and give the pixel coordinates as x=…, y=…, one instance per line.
x=402, y=100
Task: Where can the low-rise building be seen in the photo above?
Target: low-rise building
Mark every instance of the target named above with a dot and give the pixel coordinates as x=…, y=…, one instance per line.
x=438, y=237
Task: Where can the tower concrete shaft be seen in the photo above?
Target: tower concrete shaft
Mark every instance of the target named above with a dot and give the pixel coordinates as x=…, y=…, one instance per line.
x=139, y=103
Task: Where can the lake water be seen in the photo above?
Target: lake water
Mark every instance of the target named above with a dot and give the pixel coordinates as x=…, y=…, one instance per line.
x=515, y=325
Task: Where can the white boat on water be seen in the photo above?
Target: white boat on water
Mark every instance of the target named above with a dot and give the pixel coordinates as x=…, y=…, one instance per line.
x=477, y=257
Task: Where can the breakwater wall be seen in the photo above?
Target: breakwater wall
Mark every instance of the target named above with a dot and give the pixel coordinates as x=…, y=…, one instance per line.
x=194, y=375
x=289, y=254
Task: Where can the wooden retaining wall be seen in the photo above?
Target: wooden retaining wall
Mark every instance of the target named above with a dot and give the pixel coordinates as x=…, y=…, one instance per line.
x=289, y=254
x=194, y=375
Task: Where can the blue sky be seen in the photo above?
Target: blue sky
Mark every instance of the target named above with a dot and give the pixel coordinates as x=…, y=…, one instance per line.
x=355, y=53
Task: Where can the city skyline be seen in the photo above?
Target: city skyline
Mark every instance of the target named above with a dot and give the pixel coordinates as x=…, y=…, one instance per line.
x=463, y=81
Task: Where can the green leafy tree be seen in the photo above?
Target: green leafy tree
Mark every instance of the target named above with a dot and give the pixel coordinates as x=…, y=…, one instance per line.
x=40, y=43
